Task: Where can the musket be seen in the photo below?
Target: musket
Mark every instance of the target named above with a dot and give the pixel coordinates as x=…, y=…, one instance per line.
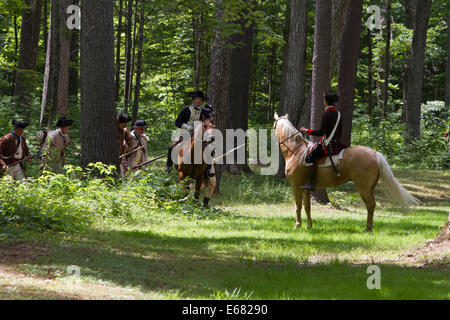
x=24, y=159
x=131, y=152
x=147, y=162
x=215, y=159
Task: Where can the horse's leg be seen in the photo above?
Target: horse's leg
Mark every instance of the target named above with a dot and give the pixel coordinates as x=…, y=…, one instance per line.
x=367, y=194
x=298, y=195
x=198, y=187
x=307, y=204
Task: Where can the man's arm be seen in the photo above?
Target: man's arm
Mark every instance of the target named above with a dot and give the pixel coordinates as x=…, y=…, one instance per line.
x=183, y=117
x=2, y=149
x=321, y=131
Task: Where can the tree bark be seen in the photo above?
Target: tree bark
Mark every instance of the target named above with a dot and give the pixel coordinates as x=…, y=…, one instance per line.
x=98, y=112
x=126, y=97
x=447, y=73
x=387, y=68
x=349, y=67
x=293, y=86
x=338, y=19
x=119, y=43
x=321, y=71
x=133, y=49
x=239, y=87
x=29, y=39
x=219, y=78
x=416, y=74
x=65, y=36
x=370, y=75
x=410, y=17
x=50, y=88
x=137, y=89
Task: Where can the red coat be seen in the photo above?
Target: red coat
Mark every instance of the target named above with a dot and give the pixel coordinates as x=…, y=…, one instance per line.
x=8, y=147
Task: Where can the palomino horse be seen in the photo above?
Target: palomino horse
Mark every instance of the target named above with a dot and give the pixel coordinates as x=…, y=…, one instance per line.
x=362, y=165
x=193, y=170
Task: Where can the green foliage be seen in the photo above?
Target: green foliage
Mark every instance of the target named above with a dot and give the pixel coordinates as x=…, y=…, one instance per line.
x=386, y=136
x=68, y=202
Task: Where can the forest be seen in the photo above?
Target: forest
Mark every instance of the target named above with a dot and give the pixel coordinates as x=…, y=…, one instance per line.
x=93, y=61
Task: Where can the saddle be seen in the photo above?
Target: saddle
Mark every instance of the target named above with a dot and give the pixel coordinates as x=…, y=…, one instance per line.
x=322, y=162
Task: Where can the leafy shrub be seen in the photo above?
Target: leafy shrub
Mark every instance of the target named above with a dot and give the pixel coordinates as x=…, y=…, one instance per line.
x=68, y=202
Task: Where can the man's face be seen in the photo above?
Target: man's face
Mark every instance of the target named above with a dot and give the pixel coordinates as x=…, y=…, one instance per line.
x=198, y=102
x=140, y=130
x=64, y=130
x=19, y=131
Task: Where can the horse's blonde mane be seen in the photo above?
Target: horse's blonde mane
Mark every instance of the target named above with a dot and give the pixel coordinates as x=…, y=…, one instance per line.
x=288, y=130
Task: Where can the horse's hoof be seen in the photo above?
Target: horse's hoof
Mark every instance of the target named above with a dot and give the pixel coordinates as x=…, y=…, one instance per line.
x=368, y=230
x=297, y=225
x=309, y=225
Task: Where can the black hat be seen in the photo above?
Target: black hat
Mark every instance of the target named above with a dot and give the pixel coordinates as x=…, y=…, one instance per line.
x=197, y=94
x=19, y=124
x=331, y=98
x=123, y=118
x=140, y=124
x=63, y=122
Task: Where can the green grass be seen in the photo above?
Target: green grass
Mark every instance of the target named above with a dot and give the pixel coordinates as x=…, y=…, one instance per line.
x=248, y=250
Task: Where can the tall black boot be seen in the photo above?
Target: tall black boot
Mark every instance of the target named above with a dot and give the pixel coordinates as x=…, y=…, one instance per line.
x=169, y=162
x=206, y=202
x=311, y=180
x=208, y=173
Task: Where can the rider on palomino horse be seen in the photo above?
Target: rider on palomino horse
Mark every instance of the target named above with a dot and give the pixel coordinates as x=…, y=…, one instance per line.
x=330, y=133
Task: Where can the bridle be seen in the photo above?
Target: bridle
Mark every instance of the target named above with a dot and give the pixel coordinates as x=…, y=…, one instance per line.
x=283, y=142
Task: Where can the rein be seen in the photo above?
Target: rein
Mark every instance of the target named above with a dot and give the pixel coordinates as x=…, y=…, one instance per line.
x=283, y=142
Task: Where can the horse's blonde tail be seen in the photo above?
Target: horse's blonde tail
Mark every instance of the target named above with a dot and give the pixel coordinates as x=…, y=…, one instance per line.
x=394, y=190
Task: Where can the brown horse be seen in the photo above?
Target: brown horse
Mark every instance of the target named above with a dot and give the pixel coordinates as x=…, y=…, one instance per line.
x=192, y=170
x=362, y=165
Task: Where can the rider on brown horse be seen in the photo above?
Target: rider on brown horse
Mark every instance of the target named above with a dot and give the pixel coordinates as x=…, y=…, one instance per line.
x=330, y=133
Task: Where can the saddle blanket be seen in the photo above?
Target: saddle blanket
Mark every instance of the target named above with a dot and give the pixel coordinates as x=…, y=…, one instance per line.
x=323, y=162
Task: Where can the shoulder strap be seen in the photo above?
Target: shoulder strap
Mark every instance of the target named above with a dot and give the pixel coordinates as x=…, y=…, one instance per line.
x=328, y=140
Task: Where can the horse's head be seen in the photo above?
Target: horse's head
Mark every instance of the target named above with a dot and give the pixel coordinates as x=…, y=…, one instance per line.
x=287, y=135
x=208, y=127
x=279, y=125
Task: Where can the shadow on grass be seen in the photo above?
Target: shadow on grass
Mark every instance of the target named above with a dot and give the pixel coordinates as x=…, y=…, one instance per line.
x=151, y=262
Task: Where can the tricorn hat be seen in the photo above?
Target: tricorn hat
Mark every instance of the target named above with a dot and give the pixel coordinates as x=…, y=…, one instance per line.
x=123, y=118
x=19, y=124
x=197, y=94
x=140, y=124
x=331, y=98
x=63, y=122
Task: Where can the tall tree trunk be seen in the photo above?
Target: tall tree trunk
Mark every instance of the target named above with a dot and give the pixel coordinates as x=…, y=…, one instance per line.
x=126, y=97
x=133, y=49
x=387, y=58
x=338, y=18
x=219, y=78
x=29, y=38
x=293, y=87
x=415, y=79
x=98, y=112
x=447, y=73
x=349, y=67
x=45, y=23
x=198, y=33
x=50, y=89
x=137, y=88
x=370, y=75
x=65, y=36
x=321, y=70
x=74, y=64
x=410, y=18
x=239, y=92
x=118, y=45
x=16, y=51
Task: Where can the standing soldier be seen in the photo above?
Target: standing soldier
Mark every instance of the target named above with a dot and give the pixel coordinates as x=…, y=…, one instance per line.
x=139, y=143
x=124, y=139
x=13, y=149
x=54, y=147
